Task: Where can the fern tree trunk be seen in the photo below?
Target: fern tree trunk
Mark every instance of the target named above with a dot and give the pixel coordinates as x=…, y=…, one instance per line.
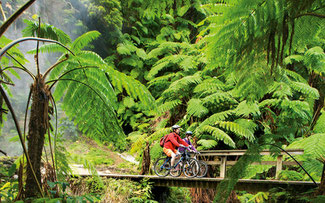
x=321, y=189
x=36, y=134
x=145, y=167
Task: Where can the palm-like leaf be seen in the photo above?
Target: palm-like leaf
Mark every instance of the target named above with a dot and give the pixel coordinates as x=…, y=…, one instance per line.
x=84, y=40
x=196, y=108
x=237, y=129
x=219, y=135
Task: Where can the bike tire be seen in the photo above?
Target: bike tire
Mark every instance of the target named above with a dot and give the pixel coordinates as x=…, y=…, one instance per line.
x=203, y=169
x=191, y=167
x=161, y=168
x=176, y=172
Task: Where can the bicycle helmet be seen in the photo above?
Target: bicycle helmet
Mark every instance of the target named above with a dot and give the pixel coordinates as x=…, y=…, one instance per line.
x=174, y=127
x=188, y=133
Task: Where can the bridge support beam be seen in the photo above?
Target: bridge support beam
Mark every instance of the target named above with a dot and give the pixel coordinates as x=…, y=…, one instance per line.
x=242, y=184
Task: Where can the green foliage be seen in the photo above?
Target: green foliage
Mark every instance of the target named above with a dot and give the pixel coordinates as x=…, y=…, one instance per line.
x=320, y=125
x=45, y=31
x=290, y=175
x=258, y=171
x=178, y=195
x=94, y=79
x=313, y=145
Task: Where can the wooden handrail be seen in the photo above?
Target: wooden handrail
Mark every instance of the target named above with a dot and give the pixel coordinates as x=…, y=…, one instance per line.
x=223, y=154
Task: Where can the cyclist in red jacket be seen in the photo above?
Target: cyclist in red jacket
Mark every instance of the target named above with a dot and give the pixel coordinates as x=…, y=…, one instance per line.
x=172, y=142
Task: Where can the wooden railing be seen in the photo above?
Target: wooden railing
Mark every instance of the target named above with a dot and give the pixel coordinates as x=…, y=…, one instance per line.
x=220, y=158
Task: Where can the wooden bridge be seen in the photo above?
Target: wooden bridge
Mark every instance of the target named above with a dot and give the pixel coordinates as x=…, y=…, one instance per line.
x=242, y=184
x=221, y=157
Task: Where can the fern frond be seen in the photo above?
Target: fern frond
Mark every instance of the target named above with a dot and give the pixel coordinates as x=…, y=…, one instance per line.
x=125, y=49
x=320, y=125
x=218, y=98
x=294, y=75
x=314, y=59
x=219, y=135
x=156, y=68
x=305, y=89
x=159, y=134
x=169, y=105
x=247, y=123
x=162, y=80
x=167, y=48
x=313, y=145
x=46, y=31
x=196, y=108
x=246, y=109
x=84, y=40
x=270, y=102
x=138, y=143
x=211, y=84
x=280, y=90
x=290, y=59
x=49, y=48
x=182, y=84
x=221, y=116
x=207, y=144
x=237, y=129
x=297, y=109
x=167, y=61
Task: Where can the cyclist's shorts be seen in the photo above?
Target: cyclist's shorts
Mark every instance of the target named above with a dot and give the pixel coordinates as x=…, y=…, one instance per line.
x=169, y=152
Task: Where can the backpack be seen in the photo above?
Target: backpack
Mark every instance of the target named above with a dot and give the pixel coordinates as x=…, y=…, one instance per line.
x=163, y=140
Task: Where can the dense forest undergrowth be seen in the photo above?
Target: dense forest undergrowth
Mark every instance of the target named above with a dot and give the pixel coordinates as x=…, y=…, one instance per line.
x=115, y=75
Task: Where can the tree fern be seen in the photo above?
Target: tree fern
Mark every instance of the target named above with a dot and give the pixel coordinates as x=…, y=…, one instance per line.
x=85, y=82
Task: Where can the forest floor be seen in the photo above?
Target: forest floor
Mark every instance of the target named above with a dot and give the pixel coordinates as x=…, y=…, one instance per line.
x=103, y=158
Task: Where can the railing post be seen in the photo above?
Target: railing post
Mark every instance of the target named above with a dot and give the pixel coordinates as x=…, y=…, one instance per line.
x=223, y=166
x=278, y=166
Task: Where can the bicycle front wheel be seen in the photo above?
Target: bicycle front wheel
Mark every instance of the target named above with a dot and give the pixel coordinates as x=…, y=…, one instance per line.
x=203, y=169
x=162, y=167
x=191, y=168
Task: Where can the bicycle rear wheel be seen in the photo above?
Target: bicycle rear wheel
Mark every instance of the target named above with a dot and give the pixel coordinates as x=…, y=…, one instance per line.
x=161, y=167
x=203, y=169
x=191, y=167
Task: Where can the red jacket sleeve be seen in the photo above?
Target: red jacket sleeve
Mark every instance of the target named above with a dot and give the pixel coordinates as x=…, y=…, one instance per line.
x=181, y=141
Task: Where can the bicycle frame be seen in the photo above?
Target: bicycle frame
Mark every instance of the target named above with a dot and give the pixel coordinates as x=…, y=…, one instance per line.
x=184, y=156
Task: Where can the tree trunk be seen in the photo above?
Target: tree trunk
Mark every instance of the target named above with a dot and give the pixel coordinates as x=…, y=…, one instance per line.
x=145, y=167
x=36, y=132
x=321, y=189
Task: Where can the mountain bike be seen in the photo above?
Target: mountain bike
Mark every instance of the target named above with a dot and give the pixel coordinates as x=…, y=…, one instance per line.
x=189, y=166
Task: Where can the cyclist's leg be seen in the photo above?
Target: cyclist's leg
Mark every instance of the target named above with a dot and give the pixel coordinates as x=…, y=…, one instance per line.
x=170, y=153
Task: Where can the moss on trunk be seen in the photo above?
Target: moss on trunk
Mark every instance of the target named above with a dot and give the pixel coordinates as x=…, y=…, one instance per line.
x=36, y=134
